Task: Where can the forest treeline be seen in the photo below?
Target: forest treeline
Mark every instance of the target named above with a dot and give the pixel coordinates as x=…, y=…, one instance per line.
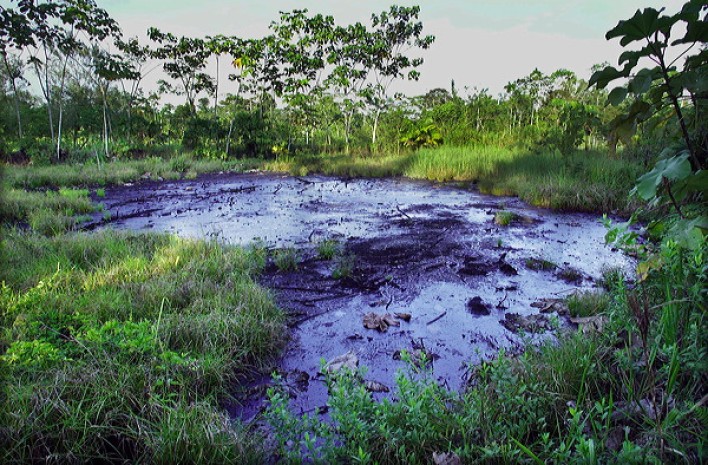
x=310, y=85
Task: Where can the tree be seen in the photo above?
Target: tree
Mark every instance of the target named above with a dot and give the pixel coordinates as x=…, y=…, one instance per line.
x=15, y=36
x=136, y=58
x=393, y=34
x=185, y=61
x=347, y=54
x=109, y=68
x=300, y=43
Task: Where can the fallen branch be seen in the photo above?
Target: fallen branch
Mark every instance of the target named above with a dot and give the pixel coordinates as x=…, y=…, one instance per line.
x=402, y=212
x=437, y=318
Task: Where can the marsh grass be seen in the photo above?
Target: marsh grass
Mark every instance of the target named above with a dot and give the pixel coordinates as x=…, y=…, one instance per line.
x=344, y=266
x=540, y=264
x=286, y=259
x=118, y=172
x=47, y=212
x=581, y=181
x=588, y=303
x=121, y=346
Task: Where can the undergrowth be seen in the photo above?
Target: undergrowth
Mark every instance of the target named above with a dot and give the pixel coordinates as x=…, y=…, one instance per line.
x=120, y=347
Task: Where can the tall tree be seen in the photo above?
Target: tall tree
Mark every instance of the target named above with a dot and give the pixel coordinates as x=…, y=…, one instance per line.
x=394, y=33
x=15, y=36
x=185, y=60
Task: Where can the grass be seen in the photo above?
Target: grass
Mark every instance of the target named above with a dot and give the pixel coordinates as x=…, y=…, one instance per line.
x=344, y=266
x=286, y=259
x=118, y=172
x=122, y=346
x=47, y=212
x=540, y=264
x=582, y=181
x=504, y=218
x=583, y=304
x=327, y=249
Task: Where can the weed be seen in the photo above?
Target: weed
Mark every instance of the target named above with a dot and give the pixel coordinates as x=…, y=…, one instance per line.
x=504, y=217
x=570, y=275
x=100, y=192
x=122, y=346
x=327, y=249
x=344, y=266
x=540, y=264
x=286, y=259
x=611, y=277
x=582, y=304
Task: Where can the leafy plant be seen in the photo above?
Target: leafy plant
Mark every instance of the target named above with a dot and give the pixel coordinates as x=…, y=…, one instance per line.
x=344, y=266
x=679, y=173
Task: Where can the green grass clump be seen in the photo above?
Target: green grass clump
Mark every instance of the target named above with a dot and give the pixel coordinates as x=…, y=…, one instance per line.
x=121, y=346
x=286, y=259
x=344, y=266
x=582, y=304
x=328, y=249
x=540, y=264
x=504, y=218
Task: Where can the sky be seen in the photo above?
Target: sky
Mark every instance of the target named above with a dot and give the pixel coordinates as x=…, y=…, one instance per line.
x=479, y=43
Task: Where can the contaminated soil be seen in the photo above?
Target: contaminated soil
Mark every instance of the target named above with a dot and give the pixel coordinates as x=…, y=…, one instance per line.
x=421, y=268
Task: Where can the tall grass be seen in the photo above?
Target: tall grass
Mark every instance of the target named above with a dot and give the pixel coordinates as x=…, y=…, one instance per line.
x=581, y=181
x=121, y=346
x=116, y=172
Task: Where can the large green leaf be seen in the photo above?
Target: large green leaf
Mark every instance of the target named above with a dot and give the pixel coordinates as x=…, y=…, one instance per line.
x=673, y=169
x=608, y=74
x=643, y=79
x=617, y=95
x=689, y=233
x=643, y=24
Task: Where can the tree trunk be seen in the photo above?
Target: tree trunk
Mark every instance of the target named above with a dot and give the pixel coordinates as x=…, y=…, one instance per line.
x=61, y=103
x=104, y=91
x=228, y=138
x=216, y=88
x=377, y=113
x=16, y=97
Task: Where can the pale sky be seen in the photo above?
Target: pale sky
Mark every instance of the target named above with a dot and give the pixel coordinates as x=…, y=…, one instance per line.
x=479, y=43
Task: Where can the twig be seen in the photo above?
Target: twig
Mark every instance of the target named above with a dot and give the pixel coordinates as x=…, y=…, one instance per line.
x=437, y=318
x=402, y=212
x=500, y=305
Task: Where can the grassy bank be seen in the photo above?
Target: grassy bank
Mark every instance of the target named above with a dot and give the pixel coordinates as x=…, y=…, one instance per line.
x=120, y=347
x=582, y=181
x=116, y=172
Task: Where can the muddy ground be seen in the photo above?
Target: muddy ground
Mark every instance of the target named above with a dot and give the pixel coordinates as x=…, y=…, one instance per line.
x=433, y=254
